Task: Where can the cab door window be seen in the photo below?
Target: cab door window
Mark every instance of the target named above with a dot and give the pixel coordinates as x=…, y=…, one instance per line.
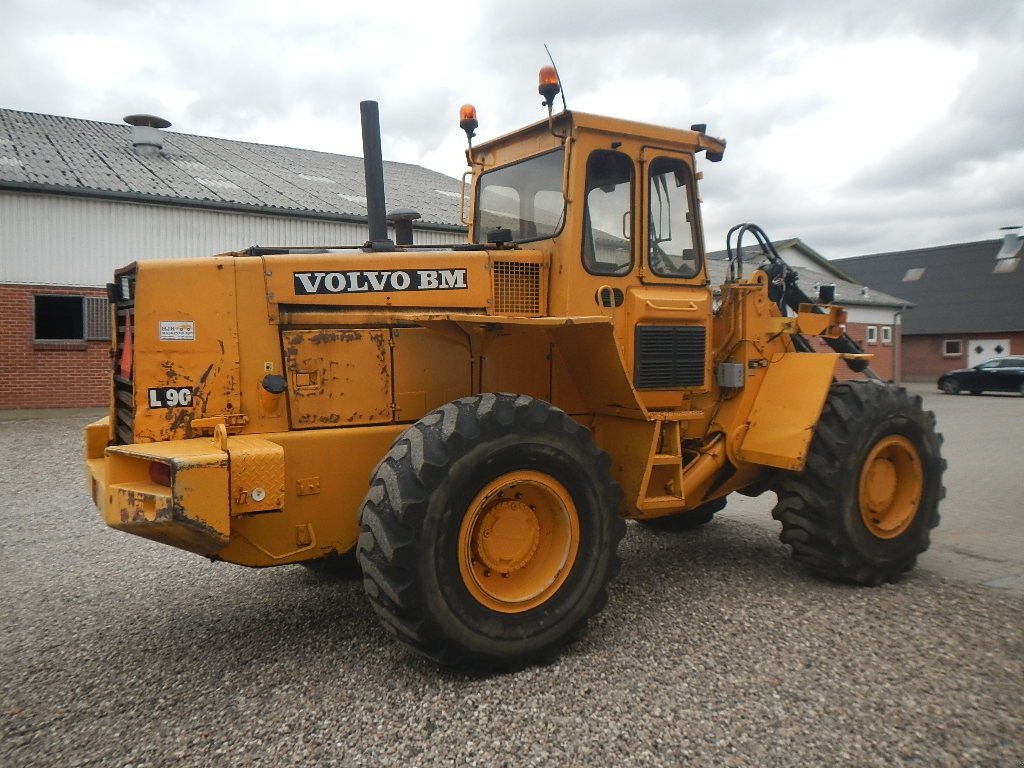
x=670, y=249
x=608, y=220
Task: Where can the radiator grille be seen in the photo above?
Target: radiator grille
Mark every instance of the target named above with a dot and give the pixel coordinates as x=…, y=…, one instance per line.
x=124, y=362
x=669, y=356
x=516, y=288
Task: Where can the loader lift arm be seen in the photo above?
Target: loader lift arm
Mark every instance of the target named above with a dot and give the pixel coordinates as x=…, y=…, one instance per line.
x=784, y=290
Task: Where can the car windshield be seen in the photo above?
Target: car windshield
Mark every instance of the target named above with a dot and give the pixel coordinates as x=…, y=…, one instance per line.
x=525, y=198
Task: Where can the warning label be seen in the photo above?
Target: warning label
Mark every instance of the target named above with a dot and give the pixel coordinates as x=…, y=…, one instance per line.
x=177, y=330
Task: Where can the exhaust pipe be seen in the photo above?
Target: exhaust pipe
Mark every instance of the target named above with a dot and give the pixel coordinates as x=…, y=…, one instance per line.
x=373, y=168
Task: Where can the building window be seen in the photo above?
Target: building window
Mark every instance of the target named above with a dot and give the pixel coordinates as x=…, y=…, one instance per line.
x=70, y=318
x=913, y=274
x=886, y=334
x=872, y=331
x=951, y=348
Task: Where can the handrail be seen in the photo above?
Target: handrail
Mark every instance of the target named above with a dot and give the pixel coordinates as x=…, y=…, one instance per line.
x=689, y=307
x=462, y=198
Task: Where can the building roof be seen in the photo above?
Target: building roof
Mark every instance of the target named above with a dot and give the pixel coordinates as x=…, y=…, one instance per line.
x=849, y=291
x=955, y=288
x=47, y=153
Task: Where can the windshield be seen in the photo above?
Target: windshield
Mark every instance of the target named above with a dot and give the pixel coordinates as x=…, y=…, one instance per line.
x=525, y=198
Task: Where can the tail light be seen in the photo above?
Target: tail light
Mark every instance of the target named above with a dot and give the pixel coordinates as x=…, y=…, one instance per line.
x=160, y=473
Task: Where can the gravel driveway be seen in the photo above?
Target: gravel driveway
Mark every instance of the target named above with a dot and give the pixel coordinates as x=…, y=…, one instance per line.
x=714, y=650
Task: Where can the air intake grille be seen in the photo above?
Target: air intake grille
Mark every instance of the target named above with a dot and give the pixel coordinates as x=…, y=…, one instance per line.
x=124, y=385
x=516, y=288
x=669, y=356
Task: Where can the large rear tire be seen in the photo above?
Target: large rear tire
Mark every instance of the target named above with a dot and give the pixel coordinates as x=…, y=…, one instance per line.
x=489, y=533
x=867, y=499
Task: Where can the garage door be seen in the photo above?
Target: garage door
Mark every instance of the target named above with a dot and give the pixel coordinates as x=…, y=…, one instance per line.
x=980, y=350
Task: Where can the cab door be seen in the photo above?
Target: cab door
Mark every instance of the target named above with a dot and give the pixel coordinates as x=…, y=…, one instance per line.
x=609, y=232
x=670, y=310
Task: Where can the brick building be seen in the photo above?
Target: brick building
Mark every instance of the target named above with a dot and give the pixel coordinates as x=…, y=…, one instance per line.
x=80, y=198
x=968, y=301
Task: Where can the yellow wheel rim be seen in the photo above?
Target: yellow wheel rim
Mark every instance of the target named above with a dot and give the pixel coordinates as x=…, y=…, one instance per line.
x=891, y=484
x=518, y=541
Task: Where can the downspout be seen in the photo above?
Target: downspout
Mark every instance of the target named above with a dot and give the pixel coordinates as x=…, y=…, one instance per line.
x=897, y=346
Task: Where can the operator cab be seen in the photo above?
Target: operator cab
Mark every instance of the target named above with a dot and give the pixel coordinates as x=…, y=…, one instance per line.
x=613, y=205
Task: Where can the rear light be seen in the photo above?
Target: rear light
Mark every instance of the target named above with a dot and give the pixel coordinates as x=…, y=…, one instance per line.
x=160, y=473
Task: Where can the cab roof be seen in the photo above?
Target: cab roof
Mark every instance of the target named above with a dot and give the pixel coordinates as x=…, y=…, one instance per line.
x=691, y=140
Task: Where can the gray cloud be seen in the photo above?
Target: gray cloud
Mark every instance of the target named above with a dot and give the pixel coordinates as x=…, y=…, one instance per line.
x=263, y=71
x=734, y=21
x=985, y=124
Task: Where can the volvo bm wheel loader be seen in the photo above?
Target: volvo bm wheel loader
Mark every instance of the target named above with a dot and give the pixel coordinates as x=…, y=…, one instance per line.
x=473, y=423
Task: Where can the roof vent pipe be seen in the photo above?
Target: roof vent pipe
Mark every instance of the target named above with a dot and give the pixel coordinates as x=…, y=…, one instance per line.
x=146, y=136
x=1011, y=243
x=403, y=218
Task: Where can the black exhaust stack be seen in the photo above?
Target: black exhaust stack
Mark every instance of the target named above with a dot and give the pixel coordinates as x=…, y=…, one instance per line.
x=373, y=165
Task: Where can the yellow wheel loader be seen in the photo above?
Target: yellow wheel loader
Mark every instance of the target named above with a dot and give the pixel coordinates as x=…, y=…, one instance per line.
x=473, y=423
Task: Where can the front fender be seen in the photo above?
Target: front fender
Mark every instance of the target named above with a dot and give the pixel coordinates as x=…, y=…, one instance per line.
x=786, y=410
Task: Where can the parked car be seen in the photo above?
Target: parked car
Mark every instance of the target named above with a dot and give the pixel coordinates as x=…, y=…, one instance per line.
x=1001, y=374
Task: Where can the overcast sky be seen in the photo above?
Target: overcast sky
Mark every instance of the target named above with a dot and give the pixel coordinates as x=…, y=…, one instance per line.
x=858, y=126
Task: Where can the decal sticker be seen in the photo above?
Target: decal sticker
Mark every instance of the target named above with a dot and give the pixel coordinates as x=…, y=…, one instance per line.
x=379, y=281
x=170, y=397
x=177, y=330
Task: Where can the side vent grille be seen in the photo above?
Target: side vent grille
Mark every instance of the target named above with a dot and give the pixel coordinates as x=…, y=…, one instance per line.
x=517, y=289
x=123, y=299
x=669, y=356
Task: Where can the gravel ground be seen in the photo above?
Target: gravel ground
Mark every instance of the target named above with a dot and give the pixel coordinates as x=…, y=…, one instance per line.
x=714, y=650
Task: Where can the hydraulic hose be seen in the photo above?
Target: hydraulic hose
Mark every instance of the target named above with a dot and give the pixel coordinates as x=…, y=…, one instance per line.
x=792, y=295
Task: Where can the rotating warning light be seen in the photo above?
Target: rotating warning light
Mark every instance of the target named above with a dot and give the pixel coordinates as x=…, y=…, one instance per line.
x=467, y=120
x=548, y=87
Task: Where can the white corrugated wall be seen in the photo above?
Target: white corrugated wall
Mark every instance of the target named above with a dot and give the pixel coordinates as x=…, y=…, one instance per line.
x=64, y=240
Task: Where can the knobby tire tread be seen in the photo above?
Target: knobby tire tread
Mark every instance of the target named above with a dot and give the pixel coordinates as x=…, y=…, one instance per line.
x=812, y=503
x=399, y=492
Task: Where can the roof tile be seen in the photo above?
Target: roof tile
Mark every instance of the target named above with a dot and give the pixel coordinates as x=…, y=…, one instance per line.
x=959, y=290
x=89, y=155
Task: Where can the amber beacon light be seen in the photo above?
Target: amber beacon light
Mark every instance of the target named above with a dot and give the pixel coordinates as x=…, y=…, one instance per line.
x=548, y=86
x=467, y=122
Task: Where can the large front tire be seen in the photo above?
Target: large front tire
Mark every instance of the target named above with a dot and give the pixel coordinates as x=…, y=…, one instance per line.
x=864, y=505
x=489, y=533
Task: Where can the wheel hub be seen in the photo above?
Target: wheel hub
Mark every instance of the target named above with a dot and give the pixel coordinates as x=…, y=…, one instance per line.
x=891, y=484
x=507, y=536
x=518, y=541
x=881, y=482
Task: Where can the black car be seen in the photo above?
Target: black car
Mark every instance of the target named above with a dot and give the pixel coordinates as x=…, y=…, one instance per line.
x=1001, y=374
